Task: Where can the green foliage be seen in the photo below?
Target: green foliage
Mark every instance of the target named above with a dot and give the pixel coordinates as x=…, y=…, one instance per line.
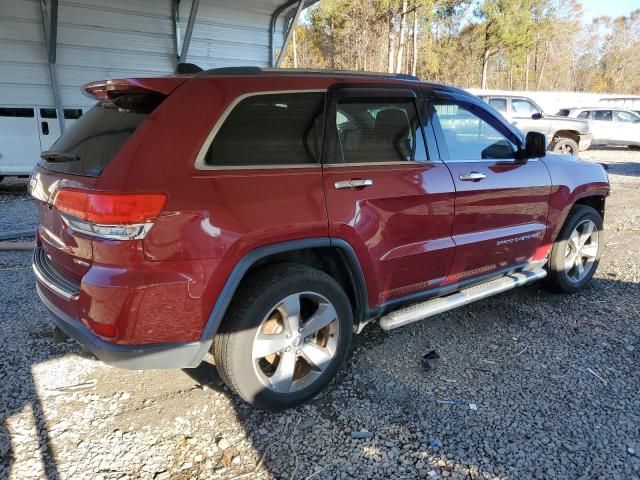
x=518, y=44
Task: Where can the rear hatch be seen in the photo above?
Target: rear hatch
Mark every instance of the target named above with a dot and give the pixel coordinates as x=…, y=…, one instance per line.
x=71, y=203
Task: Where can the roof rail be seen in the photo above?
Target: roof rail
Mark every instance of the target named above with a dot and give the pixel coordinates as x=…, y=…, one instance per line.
x=251, y=70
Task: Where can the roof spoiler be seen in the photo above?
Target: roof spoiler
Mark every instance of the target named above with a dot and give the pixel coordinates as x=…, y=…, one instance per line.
x=131, y=94
x=187, y=68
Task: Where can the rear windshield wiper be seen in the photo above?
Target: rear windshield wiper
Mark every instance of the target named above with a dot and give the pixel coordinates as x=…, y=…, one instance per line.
x=51, y=156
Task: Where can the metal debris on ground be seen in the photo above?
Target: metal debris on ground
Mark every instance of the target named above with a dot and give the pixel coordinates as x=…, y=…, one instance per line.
x=597, y=376
x=426, y=359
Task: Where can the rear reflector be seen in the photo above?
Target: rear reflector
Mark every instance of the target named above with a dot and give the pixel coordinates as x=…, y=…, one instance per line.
x=118, y=216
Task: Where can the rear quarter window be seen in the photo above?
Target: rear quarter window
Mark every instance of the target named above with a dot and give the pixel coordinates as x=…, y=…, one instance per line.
x=94, y=139
x=270, y=129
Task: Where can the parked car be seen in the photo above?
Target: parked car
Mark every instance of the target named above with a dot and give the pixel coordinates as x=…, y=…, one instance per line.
x=25, y=132
x=563, y=135
x=266, y=215
x=610, y=126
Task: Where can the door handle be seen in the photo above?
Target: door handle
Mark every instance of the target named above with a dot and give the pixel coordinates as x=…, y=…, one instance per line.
x=354, y=183
x=472, y=176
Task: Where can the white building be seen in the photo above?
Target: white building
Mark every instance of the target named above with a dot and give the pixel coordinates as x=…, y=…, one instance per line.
x=47, y=53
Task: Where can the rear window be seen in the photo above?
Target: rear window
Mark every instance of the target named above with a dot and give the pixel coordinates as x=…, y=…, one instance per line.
x=271, y=129
x=93, y=141
x=69, y=113
x=16, y=112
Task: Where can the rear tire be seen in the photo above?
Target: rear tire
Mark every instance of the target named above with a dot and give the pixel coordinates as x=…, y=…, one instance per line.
x=565, y=146
x=576, y=252
x=269, y=350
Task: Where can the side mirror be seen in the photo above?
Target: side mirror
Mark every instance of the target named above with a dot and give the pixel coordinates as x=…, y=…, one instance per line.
x=535, y=145
x=536, y=116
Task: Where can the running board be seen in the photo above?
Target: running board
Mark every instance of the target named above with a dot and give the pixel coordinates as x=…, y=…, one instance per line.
x=465, y=296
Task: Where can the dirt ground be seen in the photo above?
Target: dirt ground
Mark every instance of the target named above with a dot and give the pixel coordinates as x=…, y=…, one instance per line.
x=538, y=385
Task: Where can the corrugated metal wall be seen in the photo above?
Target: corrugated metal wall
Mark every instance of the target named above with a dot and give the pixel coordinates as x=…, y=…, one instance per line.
x=100, y=39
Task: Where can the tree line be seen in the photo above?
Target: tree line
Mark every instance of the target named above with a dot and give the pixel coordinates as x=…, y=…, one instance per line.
x=497, y=44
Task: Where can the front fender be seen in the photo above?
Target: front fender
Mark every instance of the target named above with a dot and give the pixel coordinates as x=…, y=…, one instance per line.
x=572, y=180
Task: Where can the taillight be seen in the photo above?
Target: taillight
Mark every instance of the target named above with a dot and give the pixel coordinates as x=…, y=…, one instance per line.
x=118, y=216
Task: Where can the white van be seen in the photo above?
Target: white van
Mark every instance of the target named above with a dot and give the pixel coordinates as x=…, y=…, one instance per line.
x=27, y=131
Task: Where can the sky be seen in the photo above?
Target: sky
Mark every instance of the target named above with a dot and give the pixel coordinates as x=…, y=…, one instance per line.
x=611, y=8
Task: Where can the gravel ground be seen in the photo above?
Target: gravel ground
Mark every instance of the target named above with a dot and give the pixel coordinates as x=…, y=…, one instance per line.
x=543, y=386
x=16, y=208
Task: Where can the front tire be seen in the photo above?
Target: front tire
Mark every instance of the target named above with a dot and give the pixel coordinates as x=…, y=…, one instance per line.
x=565, y=146
x=576, y=252
x=285, y=336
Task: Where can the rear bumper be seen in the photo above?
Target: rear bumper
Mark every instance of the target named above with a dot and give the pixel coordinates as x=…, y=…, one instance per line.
x=585, y=142
x=75, y=306
x=131, y=357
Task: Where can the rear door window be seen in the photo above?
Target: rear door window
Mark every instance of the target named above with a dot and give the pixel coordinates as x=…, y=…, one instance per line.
x=90, y=144
x=276, y=129
x=603, y=115
x=499, y=104
x=377, y=130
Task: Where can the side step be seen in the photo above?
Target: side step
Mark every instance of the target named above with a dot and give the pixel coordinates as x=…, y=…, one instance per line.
x=465, y=296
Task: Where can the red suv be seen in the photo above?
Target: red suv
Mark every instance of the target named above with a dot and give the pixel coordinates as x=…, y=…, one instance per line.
x=266, y=215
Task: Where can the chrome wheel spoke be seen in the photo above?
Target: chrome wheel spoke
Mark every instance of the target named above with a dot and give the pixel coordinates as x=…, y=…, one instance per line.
x=266, y=345
x=282, y=379
x=579, y=267
x=320, y=319
x=574, y=239
x=290, y=309
x=316, y=356
x=586, y=233
x=590, y=251
x=570, y=261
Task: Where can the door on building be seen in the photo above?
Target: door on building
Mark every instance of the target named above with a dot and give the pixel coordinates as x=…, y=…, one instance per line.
x=19, y=140
x=49, y=127
x=27, y=131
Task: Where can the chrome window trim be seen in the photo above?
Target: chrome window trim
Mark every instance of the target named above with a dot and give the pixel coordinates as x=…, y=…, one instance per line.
x=260, y=167
x=373, y=164
x=494, y=160
x=200, y=163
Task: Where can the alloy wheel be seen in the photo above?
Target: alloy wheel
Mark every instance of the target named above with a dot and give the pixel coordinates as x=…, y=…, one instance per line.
x=295, y=342
x=581, y=252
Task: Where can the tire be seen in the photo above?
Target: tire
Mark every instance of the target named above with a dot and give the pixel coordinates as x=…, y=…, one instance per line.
x=565, y=146
x=261, y=309
x=565, y=274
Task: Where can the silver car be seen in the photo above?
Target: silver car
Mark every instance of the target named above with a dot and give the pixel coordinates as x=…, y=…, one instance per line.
x=564, y=135
x=610, y=125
